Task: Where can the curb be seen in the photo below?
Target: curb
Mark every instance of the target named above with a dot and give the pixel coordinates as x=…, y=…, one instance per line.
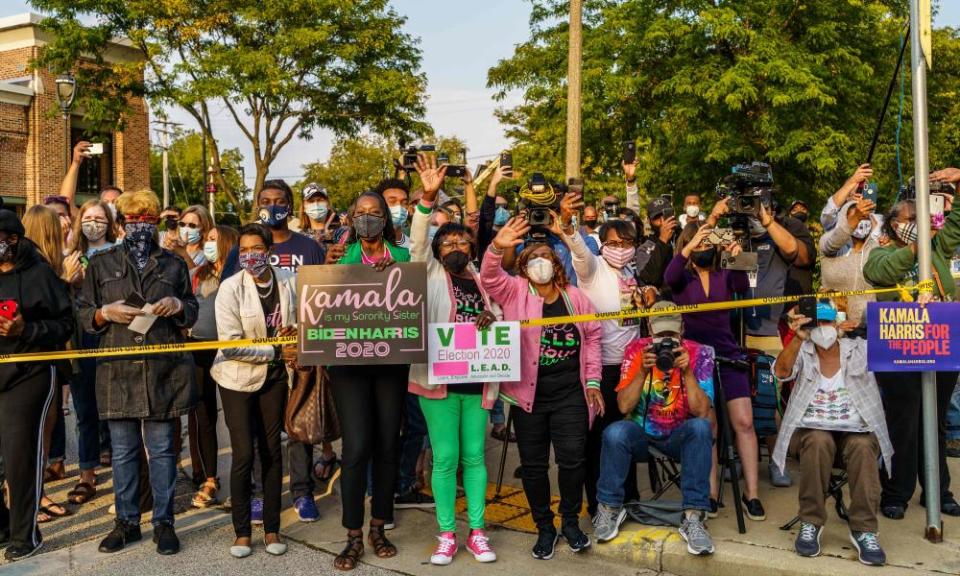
x=661, y=549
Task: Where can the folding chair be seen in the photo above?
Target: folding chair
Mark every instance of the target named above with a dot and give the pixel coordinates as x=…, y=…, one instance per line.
x=664, y=472
x=838, y=479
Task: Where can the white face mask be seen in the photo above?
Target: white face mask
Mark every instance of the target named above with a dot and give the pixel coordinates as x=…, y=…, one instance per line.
x=692, y=211
x=824, y=336
x=540, y=270
x=863, y=229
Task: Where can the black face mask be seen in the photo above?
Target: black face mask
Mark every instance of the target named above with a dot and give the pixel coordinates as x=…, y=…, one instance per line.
x=704, y=258
x=801, y=216
x=455, y=261
x=590, y=223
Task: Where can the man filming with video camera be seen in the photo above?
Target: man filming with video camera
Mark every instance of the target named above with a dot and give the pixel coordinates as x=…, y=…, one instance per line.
x=776, y=245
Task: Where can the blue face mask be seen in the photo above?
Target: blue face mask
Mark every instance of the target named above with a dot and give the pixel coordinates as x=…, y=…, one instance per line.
x=190, y=235
x=273, y=216
x=399, y=216
x=501, y=216
x=432, y=232
x=317, y=212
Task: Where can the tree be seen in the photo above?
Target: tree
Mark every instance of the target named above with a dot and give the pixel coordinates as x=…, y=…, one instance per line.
x=277, y=69
x=357, y=164
x=187, y=183
x=703, y=85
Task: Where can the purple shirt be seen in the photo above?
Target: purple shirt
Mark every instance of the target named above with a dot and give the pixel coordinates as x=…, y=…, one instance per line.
x=710, y=328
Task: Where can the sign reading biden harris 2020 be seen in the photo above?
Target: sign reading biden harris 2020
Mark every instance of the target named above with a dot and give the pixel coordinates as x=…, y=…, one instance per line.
x=461, y=354
x=358, y=315
x=907, y=338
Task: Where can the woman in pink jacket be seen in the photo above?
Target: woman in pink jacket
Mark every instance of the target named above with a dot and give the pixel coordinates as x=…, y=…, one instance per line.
x=559, y=390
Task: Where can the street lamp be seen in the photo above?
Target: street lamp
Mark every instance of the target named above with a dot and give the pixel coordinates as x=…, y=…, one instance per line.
x=66, y=92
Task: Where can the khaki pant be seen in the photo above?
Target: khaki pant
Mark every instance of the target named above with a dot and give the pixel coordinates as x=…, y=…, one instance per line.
x=817, y=451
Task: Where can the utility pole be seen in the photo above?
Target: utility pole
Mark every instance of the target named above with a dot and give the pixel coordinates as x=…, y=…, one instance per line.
x=574, y=64
x=164, y=136
x=931, y=461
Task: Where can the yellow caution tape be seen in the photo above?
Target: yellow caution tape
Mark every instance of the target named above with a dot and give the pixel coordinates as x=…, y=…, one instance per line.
x=287, y=340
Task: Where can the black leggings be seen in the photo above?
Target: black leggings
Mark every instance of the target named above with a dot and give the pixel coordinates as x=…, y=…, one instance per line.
x=202, y=421
x=369, y=403
x=608, y=387
x=257, y=415
x=565, y=426
x=23, y=412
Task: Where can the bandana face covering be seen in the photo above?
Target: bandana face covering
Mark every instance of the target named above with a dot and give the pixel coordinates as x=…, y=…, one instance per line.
x=138, y=239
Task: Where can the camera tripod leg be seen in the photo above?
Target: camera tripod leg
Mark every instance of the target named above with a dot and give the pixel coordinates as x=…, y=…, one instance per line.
x=503, y=452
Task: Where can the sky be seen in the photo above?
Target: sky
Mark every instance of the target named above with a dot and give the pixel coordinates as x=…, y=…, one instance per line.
x=460, y=41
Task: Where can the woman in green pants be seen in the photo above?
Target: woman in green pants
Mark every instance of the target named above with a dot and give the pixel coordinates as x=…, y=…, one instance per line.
x=457, y=415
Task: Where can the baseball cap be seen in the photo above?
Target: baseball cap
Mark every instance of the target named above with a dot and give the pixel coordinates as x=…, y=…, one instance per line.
x=665, y=322
x=311, y=190
x=657, y=207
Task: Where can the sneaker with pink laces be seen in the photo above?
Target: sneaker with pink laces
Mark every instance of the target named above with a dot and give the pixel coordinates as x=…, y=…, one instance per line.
x=479, y=545
x=446, y=549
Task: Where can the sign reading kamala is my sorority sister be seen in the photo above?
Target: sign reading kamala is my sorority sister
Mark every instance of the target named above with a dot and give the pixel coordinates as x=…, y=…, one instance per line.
x=359, y=315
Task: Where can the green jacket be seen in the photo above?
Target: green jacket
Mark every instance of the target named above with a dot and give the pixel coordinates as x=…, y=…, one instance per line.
x=352, y=255
x=892, y=265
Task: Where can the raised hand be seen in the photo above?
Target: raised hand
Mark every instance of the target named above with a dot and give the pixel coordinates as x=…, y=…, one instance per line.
x=570, y=206
x=512, y=234
x=695, y=242
x=430, y=176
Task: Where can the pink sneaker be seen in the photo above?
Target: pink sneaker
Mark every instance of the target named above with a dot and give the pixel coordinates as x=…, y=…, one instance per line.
x=446, y=549
x=479, y=546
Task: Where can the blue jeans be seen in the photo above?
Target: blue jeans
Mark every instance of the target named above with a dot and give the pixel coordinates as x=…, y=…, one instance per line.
x=953, y=415
x=128, y=436
x=411, y=443
x=83, y=390
x=497, y=417
x=625, y=441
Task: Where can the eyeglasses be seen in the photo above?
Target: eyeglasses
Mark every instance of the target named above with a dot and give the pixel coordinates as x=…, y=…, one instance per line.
x=447, y=244
x=618, y=244
x=189, y=225
x=140, y=218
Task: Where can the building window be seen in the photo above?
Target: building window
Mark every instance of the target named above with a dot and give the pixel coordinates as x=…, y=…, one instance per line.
x=96, y=172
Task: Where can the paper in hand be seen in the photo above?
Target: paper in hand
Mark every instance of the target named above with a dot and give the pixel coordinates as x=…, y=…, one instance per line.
x=142, y=324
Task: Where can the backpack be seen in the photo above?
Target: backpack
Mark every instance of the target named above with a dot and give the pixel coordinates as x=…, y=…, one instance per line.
x=764, y=393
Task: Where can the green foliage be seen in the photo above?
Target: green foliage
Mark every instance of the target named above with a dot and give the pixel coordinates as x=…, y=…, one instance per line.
x=357, y=164
x=279, y=69
x=187, y=174
x=703, y=85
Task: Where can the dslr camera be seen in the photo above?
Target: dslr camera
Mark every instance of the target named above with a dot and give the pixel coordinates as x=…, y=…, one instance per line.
x=409, y=159
x=748, y=186
x=666, y=351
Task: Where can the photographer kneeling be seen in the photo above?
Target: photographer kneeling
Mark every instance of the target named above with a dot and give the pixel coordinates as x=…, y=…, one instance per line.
x=666, y=390
x=835, y=406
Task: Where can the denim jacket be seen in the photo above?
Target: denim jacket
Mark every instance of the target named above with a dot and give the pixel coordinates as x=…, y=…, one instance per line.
x=150, y=387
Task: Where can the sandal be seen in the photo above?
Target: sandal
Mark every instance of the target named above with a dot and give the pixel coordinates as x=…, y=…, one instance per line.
x=206, y=496
x=54, y=473
x=382, y=547
x=325, y=468
x=81, y=493
x=106, y=459
x=50, y=511
x=350, y=556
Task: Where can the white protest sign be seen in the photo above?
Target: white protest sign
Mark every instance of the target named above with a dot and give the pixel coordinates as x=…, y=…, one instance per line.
x=461, y=354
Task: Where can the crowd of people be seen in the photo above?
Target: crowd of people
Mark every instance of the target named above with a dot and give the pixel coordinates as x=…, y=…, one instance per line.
x=122, y=270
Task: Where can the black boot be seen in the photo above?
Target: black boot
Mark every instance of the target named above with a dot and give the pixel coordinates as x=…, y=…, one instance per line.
x=122, y=534
x=4, y=523
x=166, y=539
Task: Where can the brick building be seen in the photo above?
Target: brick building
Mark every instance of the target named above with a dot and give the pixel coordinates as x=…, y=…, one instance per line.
x=32, y=143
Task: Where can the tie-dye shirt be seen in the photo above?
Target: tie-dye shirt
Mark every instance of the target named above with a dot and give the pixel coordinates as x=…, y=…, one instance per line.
x=663, y=403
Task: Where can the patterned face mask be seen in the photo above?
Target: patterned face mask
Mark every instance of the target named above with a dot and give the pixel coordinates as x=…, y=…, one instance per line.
x=255, y=263
x=138, y=239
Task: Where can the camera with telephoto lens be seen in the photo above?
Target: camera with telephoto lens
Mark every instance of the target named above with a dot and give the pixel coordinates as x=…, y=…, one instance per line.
x=748, y=186
x=409, y=161
x=538, y=200
x=666, y=351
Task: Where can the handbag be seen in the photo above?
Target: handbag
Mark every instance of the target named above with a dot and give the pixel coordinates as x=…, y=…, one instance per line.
x=310, y=417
